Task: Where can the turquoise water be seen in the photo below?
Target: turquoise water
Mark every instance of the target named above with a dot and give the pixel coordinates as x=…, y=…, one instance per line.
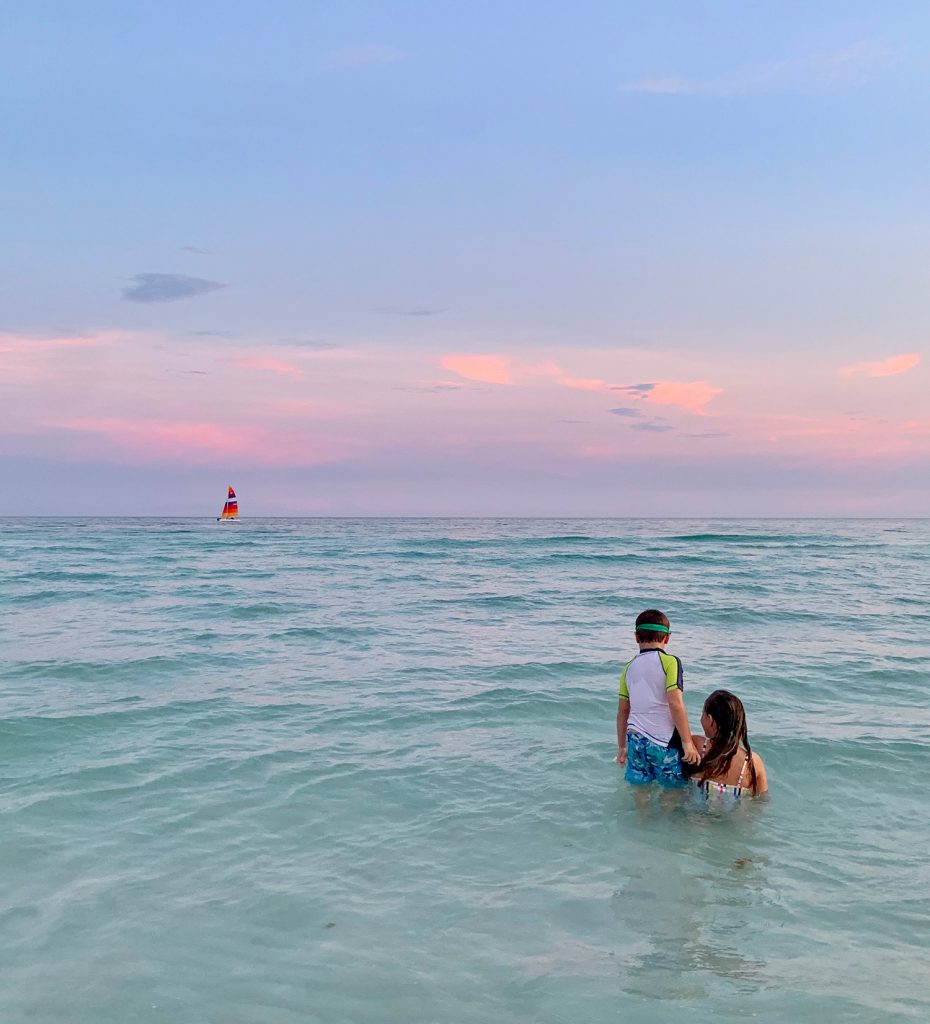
x=362, y=771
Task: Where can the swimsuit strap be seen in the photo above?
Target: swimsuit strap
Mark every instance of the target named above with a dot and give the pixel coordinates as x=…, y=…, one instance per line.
x=742, y=770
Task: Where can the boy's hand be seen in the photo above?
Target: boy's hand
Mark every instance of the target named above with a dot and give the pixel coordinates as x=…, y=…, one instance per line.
x=621, y=755
x=689, y=753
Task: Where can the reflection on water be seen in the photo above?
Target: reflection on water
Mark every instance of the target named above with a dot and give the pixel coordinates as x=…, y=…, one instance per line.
x=690, y=906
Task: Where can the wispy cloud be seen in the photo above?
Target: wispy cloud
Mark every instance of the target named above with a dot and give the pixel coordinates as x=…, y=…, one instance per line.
x=916, y=426
x=30, y=359
x=365, y=56
x=625, y=411
x=584, y=383
x=430, y=386
x=305, y=345
x=487, y=368
x=831, y=69
x=653, y=426
x=26, y=344
x=692, y=396
x=777, y=427
x=196, y=441
x=196, y=249
x=277, y=366
x=167, y=287
x=889, y=367
x=310, y=345
x=160, y=438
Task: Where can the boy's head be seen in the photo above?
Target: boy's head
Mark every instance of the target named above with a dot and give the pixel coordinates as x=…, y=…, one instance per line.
x=652, y=627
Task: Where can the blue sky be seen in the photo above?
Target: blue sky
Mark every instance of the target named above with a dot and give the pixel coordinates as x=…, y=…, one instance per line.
x=722, y=193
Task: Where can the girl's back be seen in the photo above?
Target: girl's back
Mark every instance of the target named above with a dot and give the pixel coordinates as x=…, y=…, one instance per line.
x=745, y=775
x=728, y=767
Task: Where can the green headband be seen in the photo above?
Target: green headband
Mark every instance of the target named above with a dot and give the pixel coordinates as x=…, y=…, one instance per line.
x=653, y=627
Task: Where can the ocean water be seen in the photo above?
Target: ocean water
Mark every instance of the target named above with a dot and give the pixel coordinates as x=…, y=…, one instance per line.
x=362, y=771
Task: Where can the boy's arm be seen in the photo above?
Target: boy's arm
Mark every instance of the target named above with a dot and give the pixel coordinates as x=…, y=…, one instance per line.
x=623, y=716
x=676, y=705
x=674, y=684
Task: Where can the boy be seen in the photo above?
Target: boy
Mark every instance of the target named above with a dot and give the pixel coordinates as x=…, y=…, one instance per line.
x=653, y=736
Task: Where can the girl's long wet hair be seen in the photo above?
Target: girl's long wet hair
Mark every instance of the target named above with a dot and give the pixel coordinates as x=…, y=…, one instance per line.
x=729, y=715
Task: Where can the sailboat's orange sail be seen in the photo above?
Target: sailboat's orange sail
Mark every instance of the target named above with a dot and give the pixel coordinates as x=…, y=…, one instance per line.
x=231, y=508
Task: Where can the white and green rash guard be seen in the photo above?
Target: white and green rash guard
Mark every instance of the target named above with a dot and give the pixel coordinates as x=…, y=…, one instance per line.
x=645, y=682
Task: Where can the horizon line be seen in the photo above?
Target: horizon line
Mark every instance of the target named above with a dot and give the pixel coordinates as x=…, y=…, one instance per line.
x=486, y=517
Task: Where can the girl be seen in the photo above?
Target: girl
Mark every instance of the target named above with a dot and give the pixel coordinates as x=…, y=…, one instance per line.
x=728, y=768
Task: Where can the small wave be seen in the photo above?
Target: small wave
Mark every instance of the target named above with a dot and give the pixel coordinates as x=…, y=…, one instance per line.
x=564, y=538
x=733, y=538
x=447, y=542
x=63, y=576
x=493, y=601
x=508, y=699
x=103, y=671
x=256, y=611
x=551, y=670
x=129, y=711
x=41, y=596
x=593, y=557
x=470, y=543
x=325, y=633
x=412, y=555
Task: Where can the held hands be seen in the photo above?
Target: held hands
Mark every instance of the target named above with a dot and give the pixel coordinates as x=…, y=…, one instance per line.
x=689, y=753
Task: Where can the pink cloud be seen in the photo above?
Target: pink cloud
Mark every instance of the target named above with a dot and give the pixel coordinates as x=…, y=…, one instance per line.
x=31, y=359
x=835, y=435
x=547, y=369
x=271, y=365
x=195, y=442
x=883, y=367
x=429, y=385
x=584, y=383
x=160, y=438
x=19, y=373
x=778, y=427
x=18, y=343
x=490, y=369
x=691, y=396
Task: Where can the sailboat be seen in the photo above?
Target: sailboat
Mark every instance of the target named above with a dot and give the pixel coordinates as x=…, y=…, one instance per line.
x=230, y=511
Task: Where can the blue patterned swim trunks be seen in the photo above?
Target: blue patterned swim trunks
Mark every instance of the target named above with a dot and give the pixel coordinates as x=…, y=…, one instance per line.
x=648, y=762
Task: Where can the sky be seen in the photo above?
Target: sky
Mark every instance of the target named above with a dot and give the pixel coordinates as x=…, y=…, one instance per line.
x=431, y=258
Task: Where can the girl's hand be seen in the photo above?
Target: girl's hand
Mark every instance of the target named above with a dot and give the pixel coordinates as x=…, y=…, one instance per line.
x=621, y=755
